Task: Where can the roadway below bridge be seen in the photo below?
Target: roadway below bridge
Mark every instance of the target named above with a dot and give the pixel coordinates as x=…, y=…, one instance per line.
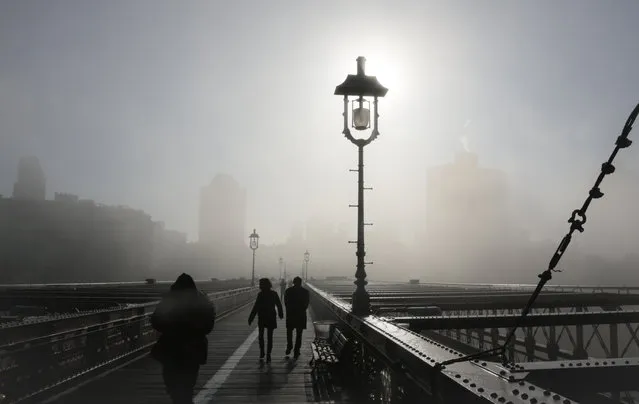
x=62, y=298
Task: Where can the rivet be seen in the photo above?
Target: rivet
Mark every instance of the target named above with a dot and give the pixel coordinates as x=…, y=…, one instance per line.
x=524, y=396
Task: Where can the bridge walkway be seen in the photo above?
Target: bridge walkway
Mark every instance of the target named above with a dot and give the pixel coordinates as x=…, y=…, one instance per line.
x=233, y=373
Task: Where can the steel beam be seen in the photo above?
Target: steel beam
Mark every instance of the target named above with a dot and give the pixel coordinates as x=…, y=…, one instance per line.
x=581, y=376
x=508, y=301
x=509, y=320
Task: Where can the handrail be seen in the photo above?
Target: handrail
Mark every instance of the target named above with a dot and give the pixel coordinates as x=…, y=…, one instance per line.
x=45, y=319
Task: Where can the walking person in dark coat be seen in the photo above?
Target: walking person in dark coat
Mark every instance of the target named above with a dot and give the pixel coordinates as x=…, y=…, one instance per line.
x=265, y=303
x=296, y=300
x=184, y=317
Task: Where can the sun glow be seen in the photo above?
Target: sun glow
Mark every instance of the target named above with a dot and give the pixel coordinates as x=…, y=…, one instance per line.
x=385, y=67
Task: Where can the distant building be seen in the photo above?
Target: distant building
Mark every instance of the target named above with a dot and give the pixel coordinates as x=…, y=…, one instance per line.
x=223, y=214
x=65, y=241
x=467, y=209
x=31, y=183
x=170, y=252
x=64, y=197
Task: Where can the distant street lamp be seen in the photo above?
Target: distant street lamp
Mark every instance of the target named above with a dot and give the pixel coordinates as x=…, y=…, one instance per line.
x=254, y=244
x=307, y=256
x=281, y=261
x=360, y=86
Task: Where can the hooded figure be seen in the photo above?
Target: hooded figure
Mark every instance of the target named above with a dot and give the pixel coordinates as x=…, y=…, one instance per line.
x=265, y=303
x=184, y=317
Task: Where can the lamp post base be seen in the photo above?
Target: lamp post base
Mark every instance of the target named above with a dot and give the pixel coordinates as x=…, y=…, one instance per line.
x=361, y=300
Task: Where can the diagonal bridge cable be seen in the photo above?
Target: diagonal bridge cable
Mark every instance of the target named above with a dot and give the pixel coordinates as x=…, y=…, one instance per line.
x=577, y=220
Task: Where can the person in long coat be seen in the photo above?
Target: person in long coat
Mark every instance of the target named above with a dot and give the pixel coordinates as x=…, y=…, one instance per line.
x=184, y=317
x=296, y=300
x=265, y=304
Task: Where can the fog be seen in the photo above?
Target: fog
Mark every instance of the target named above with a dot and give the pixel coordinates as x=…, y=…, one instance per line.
x=144, y=103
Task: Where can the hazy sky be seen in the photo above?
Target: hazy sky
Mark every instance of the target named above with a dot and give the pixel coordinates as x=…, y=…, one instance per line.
x=143, y=102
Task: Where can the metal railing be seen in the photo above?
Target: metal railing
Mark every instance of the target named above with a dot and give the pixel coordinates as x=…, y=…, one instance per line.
x=394, y=364
x=40, y=356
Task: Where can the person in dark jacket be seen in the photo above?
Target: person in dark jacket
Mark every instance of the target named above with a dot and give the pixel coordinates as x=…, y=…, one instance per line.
x=296, y=300
x=184, y=317
x=265, y=303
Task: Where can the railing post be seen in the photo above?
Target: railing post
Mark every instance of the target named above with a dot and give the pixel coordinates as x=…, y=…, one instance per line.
x=579, y=351
x=614, y=353
x=552, y=345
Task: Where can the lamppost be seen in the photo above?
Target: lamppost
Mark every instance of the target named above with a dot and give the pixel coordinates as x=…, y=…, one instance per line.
x=282, y=277
x=254, y=244
x=307, y=256
x=360, y=86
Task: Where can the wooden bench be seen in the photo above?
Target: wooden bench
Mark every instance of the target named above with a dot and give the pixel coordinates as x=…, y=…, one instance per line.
x=327, y=355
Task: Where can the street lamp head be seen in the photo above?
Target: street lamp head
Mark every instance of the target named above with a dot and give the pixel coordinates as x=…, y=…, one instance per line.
x=254, y=240
x=307, y=256
x=360, y=85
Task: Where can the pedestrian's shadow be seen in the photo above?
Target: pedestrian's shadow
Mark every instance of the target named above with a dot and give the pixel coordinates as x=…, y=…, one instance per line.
x=274, y=376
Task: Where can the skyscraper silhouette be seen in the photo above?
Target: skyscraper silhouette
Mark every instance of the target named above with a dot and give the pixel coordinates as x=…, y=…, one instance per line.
x=223, y=214
x=31, y=183
x=467, y=211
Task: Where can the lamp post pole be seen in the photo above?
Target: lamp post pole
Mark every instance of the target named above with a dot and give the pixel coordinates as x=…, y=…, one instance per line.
x=307, y=256
x=254, y=239
x=360, y=86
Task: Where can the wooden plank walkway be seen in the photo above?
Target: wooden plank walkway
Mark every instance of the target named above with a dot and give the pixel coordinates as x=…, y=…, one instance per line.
x=233, y=373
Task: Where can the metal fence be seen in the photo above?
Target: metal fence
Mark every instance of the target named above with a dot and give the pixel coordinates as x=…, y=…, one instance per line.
x=44, y=355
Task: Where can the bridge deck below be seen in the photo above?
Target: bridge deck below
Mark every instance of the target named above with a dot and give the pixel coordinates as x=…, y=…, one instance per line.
x=233, y=373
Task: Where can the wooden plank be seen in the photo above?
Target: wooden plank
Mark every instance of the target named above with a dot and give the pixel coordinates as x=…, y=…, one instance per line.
x=141, y=382
x=285, y=380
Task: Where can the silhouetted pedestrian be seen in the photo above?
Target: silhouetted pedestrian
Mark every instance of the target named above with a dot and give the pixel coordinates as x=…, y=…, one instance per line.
x=265, y=303
x=296, y=300
x=184, y=317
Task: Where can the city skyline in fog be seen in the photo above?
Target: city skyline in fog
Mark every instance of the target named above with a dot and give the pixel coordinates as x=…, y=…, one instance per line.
x=142, y=104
